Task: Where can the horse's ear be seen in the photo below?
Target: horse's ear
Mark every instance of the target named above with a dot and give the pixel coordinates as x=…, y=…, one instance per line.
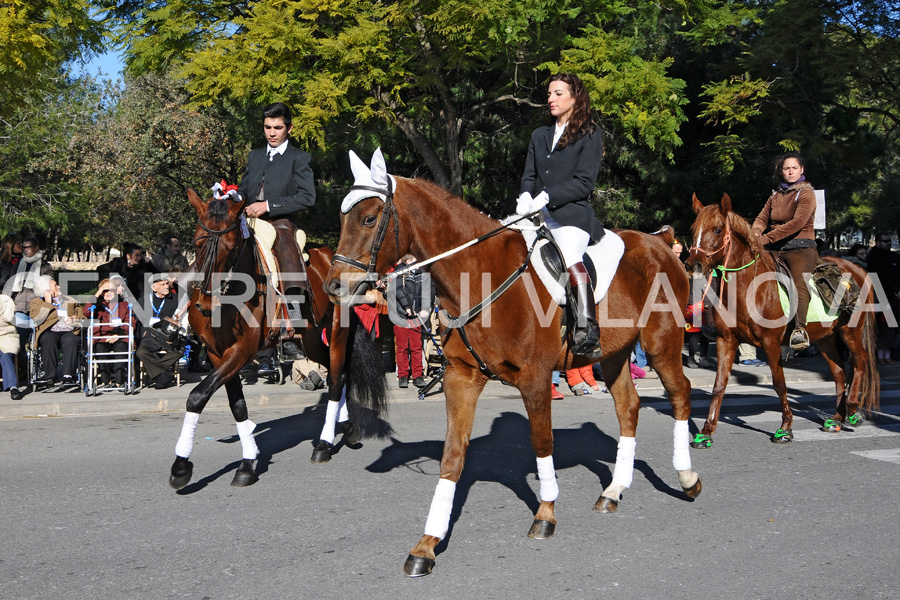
x=195, y=200
x=696, y=204
x=725, y=204
x=379, y=168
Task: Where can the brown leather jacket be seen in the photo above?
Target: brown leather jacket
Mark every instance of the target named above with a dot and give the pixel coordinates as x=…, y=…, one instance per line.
x=787, y=215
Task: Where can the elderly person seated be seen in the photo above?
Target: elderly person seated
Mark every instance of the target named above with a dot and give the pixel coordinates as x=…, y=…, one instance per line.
x=157, y=353
x=9, y=346
x=57, y=326
x=111, y=312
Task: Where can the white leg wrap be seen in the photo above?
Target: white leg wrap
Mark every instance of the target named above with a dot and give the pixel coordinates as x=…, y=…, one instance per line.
x=547, y=475
x=245, y=432
x=439, y=515
x=344, y=415
x=185, y=444
x=624, y=470
x=681, y=459
x=331, y=413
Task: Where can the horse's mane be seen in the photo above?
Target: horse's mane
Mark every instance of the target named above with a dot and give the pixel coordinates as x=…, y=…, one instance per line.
x=458, y=206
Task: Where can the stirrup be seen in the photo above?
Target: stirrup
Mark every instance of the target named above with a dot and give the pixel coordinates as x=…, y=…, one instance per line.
x=799, y=339
x=587, y=344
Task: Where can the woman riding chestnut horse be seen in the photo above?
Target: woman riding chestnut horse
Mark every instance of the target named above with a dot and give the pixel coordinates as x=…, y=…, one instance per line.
x=745, y=294
x=385, y=217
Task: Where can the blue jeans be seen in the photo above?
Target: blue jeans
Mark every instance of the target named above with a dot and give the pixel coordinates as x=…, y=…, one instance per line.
x=640, y=359
x=8, y=365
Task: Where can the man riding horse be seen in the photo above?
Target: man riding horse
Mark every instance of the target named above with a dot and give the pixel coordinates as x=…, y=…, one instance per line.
x=278, y=184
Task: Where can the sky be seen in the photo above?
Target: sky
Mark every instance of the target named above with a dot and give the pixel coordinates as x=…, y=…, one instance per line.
x=109, y=64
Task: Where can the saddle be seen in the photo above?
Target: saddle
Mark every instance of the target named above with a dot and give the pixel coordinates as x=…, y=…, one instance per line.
x=830, y=292
x=265, y=240
x=265, y=234
x=601, y=261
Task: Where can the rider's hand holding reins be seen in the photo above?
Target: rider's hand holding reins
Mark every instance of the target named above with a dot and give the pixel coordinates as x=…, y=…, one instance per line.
x=527, y=205
x=523, y=204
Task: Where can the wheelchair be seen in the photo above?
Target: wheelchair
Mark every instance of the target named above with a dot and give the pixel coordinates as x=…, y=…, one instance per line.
x=93, y=359
x=250, y=374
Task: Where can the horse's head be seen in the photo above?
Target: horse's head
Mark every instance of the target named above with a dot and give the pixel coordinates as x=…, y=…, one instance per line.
x=219, y=217
x=371, y=241
x=711, y=234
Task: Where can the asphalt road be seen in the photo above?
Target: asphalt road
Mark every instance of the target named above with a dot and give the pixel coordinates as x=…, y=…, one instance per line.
x=86, y=510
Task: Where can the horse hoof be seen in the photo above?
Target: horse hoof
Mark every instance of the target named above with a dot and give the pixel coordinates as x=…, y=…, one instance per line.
x=701, y=441
x=245, y=475
x=605, y=505
x=182, y=470
x=831, y=426
x=542, y=530
x=694, y=490
x=856, y=419
x=417, y=566
x=321, y=453
x=352, y=434
x=783, y=436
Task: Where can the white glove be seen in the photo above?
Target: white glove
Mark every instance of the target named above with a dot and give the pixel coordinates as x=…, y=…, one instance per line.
x=539, y=202
x=523, y=203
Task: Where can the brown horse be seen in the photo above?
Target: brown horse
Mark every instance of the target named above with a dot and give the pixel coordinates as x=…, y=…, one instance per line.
x=234, y=311
x=517, y=337
x=723, y=241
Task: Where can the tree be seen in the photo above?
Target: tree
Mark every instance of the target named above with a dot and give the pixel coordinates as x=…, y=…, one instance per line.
x=36, y=38
x=443, y=73
x=39, y=190
x=820, y=77
x=137, y=159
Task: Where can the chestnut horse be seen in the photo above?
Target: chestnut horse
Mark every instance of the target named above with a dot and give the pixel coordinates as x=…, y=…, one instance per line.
x=517, y=337
x=724, y=241
x=233, y=312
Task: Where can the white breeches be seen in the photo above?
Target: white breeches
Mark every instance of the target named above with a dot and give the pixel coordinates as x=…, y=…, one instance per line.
x=572, y=241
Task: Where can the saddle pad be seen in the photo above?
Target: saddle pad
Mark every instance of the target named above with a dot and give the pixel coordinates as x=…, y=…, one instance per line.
x=817, y=312
x=265, y=237
x=605, y=256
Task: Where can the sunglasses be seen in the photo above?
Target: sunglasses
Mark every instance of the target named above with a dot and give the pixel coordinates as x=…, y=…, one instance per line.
x=28, y=247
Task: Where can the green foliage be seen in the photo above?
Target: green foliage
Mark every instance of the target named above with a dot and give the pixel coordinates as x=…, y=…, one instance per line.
x=137, y=161
x=36, y=37
x=39, y=189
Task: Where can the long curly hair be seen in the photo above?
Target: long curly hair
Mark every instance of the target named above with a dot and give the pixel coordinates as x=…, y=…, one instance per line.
x=580, y=123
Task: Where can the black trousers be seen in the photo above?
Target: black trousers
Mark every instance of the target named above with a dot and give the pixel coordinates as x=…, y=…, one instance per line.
x=50, y=343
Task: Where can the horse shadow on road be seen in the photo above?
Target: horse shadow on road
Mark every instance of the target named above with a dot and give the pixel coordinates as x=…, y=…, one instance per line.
x=505, y=456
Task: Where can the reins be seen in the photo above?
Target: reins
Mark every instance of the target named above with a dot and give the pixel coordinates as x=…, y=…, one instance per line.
x=210, y=258
x=727, y=245
x=390, y=210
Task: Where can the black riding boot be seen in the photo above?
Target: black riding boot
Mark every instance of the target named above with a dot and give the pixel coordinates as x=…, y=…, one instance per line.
x=586, y=335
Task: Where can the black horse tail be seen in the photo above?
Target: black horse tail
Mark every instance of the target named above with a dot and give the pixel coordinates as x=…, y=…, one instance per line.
x=870, y=386
x=366, y=379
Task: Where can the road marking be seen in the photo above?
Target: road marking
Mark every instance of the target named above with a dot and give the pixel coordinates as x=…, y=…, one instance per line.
x=892, y=456
x=866, y=431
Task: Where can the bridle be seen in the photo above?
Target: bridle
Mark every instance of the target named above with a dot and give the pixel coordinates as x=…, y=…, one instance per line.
x=728, y=246
x=389, y=210
x=209, y=258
